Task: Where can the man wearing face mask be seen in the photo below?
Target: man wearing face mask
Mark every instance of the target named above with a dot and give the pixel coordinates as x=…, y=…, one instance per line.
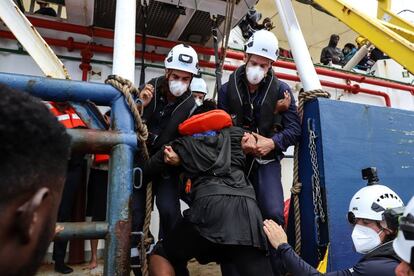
x=404, y=243
x=370, y=236
x=167, y=102
x=199, y=89
x=252, y=97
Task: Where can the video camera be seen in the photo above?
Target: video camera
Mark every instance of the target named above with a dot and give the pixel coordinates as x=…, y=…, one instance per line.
x=392, y=216
x=371, y=175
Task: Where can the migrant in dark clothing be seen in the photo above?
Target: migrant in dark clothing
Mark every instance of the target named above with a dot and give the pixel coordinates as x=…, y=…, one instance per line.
x=381, y=261
x=332, y=53
x=224, y=219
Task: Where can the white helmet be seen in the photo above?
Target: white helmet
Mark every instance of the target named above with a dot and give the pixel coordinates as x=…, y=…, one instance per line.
x=182, y=57
x=263, y=43
x=198, y=85
x=404, y=243
x=371, y=201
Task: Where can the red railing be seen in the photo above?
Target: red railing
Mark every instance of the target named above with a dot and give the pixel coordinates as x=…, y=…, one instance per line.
x=109, y=34
x=89, y=48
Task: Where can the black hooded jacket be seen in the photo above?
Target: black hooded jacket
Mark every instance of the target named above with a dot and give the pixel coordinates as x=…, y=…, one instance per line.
x=332, y=53
x=222, y=197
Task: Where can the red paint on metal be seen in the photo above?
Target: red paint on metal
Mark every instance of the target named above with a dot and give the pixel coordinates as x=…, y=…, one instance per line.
x=109, y=34
x=71, y=44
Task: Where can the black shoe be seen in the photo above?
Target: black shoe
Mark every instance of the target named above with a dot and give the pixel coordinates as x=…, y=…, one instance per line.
x=62, y=268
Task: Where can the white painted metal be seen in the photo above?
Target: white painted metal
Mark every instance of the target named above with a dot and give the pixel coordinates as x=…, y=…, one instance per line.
x=80, y=11
x=31, y=40
x=359, y=55
x=124, y=41
x=298, y=46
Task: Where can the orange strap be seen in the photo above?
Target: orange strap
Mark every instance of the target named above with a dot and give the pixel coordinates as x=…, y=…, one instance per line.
x=188, y=186
x=212, y=120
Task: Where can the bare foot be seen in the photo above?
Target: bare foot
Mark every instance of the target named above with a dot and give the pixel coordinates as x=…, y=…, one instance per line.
x=92, y=264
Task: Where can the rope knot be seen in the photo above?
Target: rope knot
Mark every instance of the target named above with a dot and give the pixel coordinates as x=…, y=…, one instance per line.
x=296, y=188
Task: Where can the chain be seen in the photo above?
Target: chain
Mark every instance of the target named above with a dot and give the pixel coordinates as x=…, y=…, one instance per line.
x=316, y=186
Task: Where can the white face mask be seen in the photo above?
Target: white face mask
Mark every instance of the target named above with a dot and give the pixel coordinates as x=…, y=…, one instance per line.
x=198, y=102
x=365, y=238
x=177, y=88
x=255, y=74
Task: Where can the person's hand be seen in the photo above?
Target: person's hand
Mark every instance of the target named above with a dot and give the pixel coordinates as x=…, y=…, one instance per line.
x=283, y=104
x=171, y=157
x=263, y=145
x=274, y=233
x=58, y=229
x=336, y=59
x=248, y=143
x=146, y=94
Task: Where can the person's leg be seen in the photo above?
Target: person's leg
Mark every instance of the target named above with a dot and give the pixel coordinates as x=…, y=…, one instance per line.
x=168, y=203
x=160, y=266
x=250, y=261
x=98, y=185
x=93, y=263
x=267, y=183
x=73, y=179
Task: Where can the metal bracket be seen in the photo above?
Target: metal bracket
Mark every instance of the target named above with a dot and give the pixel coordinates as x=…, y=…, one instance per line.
x=134, y=175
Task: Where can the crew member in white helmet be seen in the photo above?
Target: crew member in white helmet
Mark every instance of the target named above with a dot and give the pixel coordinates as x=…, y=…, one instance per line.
x=404, y=243
x=168, y=102
x=263, y=105
x=199, y=89
x=370, y=236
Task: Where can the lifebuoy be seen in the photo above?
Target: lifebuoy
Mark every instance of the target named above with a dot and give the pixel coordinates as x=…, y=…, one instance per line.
x=212, y=120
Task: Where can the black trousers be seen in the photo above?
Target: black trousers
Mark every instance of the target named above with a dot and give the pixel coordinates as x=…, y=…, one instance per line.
x=184, y=243
x=75, y=176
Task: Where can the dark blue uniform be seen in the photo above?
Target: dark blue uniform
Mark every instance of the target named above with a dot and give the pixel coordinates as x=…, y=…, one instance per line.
x=382, y=261
x=255, y=112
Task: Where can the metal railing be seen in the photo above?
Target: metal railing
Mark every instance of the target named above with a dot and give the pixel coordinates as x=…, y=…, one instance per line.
x=120, y=142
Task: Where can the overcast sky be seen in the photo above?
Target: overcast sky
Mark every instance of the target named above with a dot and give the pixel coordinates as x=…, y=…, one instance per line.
x=397, y=5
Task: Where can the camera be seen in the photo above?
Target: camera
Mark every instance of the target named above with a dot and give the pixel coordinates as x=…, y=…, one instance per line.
x=371, y=175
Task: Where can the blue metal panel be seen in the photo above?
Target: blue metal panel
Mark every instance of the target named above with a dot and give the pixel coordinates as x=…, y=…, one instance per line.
x=352, y=137
x=62, y=90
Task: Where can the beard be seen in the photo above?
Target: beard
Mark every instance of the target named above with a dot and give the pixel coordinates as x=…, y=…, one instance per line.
x=38, y=254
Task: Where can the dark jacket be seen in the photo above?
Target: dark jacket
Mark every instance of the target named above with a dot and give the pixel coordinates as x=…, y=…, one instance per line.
x=214, y=163
x=290, y=130
x=332, y=53
x=163, y=118
x=382, y=261
x=223, y=209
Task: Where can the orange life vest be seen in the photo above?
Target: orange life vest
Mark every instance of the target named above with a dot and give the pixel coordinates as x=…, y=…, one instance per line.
x=212, y=120
x=68, y=118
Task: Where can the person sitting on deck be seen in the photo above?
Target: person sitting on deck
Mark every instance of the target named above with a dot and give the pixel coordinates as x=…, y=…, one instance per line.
x=34, y=151
x=224, y=223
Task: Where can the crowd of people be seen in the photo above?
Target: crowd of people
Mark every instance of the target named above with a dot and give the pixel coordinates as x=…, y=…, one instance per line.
x=231, y=162
x=331, y=54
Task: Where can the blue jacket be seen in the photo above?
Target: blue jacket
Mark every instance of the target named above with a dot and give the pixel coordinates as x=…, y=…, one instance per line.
x=382, y=261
